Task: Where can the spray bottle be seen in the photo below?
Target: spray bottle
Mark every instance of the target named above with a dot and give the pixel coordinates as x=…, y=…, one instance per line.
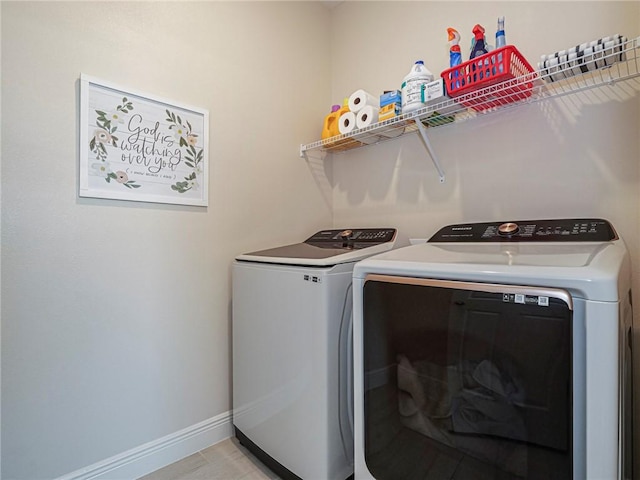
x=479, y=42
x=501, y=40
x=455, y=57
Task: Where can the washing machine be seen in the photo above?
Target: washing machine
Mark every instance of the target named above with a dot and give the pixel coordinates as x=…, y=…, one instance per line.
x=496, y=350
x=292, y=337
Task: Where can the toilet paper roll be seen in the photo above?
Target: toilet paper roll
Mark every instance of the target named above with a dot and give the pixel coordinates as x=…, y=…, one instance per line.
x=360, y=99
x=574, y=68
x=347, y=122
x=608, y=52
x=621, y=45
x=552, y=68
x=598, y=55
x=589, y=59
x=367, y=116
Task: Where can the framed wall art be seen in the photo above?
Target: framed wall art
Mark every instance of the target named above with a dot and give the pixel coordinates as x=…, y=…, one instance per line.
x=139, y=147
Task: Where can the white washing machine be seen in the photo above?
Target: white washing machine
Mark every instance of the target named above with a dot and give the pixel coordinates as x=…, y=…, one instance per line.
x=495, y=350
x=292, y=337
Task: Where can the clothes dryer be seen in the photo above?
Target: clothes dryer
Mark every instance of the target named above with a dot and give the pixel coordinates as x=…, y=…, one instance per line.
x=292, y=337
x=496, y=350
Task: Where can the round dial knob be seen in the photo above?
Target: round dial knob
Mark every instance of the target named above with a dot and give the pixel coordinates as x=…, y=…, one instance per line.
x=508, y=228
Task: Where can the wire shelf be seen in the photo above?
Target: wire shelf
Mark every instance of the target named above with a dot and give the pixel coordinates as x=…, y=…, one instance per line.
x=604, y=68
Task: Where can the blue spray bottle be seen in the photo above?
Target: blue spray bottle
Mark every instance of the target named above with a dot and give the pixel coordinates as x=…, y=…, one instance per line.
x=501, y=40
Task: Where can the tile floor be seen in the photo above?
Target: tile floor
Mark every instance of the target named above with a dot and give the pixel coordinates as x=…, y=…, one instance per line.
x=227, y=460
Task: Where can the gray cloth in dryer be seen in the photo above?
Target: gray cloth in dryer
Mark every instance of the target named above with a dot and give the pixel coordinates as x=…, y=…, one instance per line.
x=430, y=396
x=488, y=408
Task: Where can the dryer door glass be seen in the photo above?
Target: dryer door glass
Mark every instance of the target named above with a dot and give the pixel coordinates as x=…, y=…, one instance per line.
x=466, y=380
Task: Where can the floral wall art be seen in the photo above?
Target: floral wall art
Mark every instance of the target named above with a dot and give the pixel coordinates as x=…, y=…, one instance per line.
x=138, y=147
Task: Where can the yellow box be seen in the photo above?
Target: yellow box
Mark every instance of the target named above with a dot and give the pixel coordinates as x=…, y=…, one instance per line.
x=389, y=111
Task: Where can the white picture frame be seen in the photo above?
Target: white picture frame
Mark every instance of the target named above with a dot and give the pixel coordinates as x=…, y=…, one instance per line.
x=140, y=147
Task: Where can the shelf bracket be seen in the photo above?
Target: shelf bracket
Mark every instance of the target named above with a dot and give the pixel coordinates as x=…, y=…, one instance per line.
x=423, y=133
x=303, y=153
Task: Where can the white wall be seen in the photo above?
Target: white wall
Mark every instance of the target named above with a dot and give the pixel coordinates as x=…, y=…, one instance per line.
x=116, y=315
x=573, y=157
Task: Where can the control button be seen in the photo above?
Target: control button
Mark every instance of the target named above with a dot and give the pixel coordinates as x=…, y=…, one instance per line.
x=347, y=239
x=508, y=228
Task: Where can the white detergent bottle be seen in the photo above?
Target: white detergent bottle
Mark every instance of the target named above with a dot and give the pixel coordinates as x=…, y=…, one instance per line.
x=412, y=87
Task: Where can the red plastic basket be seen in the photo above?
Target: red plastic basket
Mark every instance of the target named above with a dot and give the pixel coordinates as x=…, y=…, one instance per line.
x=500, y=66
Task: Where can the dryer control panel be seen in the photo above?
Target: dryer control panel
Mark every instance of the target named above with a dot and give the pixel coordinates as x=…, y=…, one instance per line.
x=556, y=230
x=352, y=238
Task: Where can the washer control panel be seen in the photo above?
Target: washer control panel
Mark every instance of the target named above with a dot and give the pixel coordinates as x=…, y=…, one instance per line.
x=557, y=230
x=352, y=238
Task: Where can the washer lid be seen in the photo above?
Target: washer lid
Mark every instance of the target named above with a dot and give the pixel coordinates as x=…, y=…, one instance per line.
x=328, y=247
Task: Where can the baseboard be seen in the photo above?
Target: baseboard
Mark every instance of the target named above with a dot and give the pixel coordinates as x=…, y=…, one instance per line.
x=159, y=453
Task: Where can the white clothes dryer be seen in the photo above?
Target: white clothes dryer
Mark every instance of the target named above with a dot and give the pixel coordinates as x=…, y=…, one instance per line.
x=495, y=350
x=292, y=337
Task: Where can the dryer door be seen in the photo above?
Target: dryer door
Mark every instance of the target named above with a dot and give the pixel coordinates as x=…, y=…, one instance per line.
x=466, y=380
